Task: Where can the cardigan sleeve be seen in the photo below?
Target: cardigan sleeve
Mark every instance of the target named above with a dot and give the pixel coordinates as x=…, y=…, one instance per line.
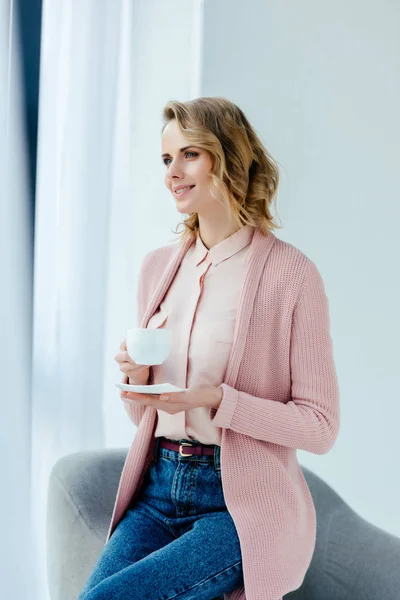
x=134, y=409
x=310, y=419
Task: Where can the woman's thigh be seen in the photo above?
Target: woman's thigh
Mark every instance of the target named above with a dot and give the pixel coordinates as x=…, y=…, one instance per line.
x=203, y=563
x=136, y=536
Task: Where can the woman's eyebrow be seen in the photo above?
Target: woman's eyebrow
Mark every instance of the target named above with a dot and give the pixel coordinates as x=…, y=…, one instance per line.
x=180, y=150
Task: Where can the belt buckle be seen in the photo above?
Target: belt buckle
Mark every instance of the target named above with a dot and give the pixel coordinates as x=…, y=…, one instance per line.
x=180, y=448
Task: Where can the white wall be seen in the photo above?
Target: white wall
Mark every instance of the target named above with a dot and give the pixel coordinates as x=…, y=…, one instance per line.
x=320, y=83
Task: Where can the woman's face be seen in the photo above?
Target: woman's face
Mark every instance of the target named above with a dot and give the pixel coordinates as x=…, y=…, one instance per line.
x=189, y=167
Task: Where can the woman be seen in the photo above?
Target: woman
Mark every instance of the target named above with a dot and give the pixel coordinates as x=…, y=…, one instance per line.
x=212, y=502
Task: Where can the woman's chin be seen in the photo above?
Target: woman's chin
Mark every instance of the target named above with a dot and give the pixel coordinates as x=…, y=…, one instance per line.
x=184, y=207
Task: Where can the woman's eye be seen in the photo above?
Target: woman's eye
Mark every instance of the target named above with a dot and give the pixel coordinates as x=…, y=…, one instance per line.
x=187, y=152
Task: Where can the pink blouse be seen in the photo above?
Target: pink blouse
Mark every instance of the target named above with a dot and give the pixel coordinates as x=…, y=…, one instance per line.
x=200, y=308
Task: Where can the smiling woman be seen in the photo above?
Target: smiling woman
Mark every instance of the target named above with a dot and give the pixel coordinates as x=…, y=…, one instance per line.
x=252, y=351
x=187, y=173
x=216, y=152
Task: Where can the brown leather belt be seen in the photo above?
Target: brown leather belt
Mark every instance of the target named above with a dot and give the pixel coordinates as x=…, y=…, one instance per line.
x=192, y=449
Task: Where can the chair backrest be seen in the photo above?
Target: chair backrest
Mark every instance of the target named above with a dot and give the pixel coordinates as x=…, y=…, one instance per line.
x=352, y=557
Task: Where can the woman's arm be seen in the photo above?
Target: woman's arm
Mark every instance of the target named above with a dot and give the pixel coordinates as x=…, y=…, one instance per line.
x=310, y=420
x=136, y=411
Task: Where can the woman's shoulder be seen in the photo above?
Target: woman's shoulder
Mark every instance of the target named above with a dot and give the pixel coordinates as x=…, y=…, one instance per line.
x=159, y=257
x=293, y=267
x=164, y=252
x=289, y=251
x=289, y=256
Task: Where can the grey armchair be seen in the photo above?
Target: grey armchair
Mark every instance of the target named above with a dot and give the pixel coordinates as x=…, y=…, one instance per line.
x=353, y=559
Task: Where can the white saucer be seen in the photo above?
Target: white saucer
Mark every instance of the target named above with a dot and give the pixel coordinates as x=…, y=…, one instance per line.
x=158, y=388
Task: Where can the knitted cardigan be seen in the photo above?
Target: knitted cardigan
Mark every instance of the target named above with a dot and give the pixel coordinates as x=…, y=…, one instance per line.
x=280, y=394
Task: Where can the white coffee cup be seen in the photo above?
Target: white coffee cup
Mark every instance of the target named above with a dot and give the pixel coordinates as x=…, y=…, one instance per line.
x=148, y=346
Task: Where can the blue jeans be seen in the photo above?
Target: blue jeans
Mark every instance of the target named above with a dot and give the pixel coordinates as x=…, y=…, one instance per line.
x=177, y=541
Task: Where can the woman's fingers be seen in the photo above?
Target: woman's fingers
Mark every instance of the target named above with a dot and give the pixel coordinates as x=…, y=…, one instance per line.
x=121, y=357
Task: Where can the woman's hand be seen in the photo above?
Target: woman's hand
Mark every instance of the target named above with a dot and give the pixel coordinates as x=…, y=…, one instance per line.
x=138, y=374
x=206, y=395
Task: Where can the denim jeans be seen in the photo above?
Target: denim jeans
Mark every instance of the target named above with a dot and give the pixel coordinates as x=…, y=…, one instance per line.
x=177, y=541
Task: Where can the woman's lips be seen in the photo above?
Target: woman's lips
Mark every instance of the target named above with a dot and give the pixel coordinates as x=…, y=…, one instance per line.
x=181, y=194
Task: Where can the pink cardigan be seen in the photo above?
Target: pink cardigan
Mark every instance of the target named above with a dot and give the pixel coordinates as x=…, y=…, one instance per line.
x=280, y=393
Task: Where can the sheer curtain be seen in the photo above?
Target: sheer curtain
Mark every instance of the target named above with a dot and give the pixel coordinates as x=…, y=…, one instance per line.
x=15, y=317
x=80, y=60
x=101, y=205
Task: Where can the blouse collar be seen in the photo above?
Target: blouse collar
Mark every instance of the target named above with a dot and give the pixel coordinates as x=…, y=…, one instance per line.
x=225, y=249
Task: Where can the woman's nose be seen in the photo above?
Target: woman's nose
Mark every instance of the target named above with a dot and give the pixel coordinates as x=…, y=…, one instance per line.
x=175, y=171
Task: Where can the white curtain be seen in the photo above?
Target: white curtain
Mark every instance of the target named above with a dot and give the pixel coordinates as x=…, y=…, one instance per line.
x=15, y=318
x=102, y=87
x=80, y=71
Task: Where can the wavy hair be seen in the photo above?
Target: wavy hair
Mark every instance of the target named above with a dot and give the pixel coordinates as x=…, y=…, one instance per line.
x=243, y=173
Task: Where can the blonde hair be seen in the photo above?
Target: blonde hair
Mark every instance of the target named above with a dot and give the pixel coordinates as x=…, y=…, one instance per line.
x=243, y=172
